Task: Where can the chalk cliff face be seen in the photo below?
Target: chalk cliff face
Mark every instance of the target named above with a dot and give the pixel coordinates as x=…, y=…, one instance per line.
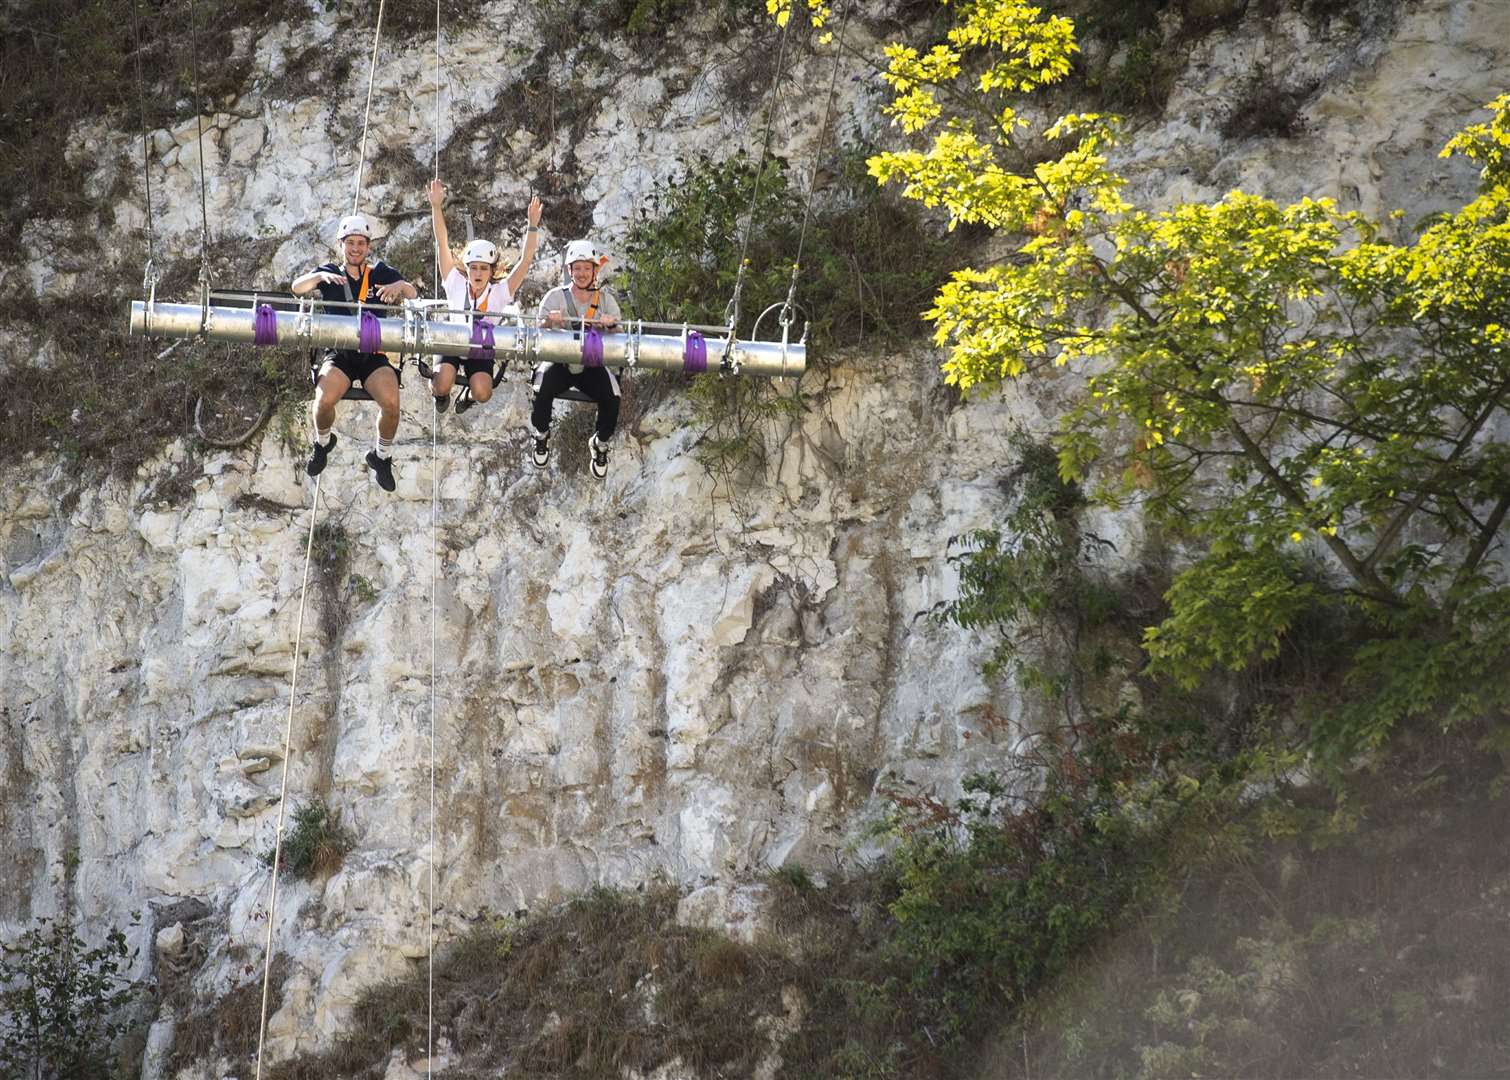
x=656, y=676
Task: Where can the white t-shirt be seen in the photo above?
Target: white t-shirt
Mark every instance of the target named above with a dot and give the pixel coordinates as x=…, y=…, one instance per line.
x=493, y=300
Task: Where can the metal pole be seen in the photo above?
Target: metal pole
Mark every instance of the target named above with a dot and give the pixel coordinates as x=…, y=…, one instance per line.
x=627, y=347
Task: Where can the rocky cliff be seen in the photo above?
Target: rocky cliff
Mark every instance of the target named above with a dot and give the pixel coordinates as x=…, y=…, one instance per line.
x=667, y=675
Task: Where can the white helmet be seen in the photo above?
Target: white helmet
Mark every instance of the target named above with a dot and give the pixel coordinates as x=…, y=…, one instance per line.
x=480, y=251
x=583, y=251
x=354, y=225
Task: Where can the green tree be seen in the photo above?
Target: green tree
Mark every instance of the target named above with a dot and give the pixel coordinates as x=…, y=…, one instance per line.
x=62, y=1004
x=1305, y=401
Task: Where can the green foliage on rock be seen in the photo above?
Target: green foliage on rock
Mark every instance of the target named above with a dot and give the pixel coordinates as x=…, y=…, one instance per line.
x=1303, y=397
x=62, y=1003
x=868, y=261
x=1032, y=580
x=316, y=844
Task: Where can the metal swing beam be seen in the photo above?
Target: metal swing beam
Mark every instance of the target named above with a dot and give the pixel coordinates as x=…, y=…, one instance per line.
x=409, y=331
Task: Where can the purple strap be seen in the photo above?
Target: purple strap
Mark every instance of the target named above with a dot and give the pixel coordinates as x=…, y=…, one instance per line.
x=482, y=340
x=370, y=334
x=695, y=354
x=265, y=326
x=592, y=348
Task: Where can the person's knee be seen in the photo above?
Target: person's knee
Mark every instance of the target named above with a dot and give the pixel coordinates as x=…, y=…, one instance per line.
x=444, y=379
x=482, y=390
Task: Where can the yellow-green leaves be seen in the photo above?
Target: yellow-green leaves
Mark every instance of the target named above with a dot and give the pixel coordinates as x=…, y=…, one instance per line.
x=1487, y=144
x=819, y=12
x=1306, y=399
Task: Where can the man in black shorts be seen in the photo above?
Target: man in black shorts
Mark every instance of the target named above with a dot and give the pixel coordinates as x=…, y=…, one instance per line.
x=351, y=281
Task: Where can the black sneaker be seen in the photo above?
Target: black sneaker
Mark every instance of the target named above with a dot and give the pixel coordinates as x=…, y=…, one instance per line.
x=316, y=463
x=382, y=470
x=542, y=453
x=599, y=462
x=464, y=400
x=442, y=402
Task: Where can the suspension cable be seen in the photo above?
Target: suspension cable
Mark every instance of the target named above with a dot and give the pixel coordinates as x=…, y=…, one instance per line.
x=812, y=180
x=149, y=275
x=430, y=862
x=288, y=732
x=356, y=198
x=204, y=212
x=434, y=587
x=731, y=312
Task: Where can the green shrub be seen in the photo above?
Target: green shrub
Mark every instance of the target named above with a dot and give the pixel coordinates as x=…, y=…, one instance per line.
x=869, y=266
x=316, y=844
x=63, y=1004
x=1031, y=580
x=869, y=263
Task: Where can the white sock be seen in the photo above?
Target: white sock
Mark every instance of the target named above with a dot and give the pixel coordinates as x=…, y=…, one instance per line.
x=384, y=447
x=322, y=437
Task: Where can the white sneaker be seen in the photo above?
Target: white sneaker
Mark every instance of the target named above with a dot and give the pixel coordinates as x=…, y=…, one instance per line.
x=542, y=453
x=599, y=451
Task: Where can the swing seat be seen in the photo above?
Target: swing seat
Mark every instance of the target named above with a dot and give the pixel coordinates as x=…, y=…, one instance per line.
x=278, y=301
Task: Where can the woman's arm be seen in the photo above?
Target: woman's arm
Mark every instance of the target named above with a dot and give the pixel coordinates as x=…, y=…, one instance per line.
x=438, y=220
x=531, y=241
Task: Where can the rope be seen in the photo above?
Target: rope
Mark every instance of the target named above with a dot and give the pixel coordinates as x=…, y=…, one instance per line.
x=204, y=212
x=430, y=868
x=434, y=576
x=356, y=198
x=150, y=274
x=288, y=732
x=812, y=180
x=731, y=312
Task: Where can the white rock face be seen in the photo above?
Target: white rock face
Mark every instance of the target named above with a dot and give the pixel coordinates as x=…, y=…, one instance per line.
x=652, y=676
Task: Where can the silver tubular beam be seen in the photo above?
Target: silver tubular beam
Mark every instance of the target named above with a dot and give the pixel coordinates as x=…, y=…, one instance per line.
x=413, y=334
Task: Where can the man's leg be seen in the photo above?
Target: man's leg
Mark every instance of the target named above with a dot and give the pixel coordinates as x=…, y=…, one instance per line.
x=329, y=389
x=331, y=385
x=382, y=384
x=555, y=379
x=599, y=384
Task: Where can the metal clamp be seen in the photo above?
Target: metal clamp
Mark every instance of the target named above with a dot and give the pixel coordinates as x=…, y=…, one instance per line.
x=304, y=321
x=204, y=306
x=411, y=316
x=149, y=282
x=632, y=344
x=728, y=363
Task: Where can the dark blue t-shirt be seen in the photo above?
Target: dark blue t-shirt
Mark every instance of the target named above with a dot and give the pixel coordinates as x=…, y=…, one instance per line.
x=380, y=274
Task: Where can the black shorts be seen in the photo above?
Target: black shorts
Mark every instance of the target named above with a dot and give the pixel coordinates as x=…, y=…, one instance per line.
x=470, y=366
x=356, y=366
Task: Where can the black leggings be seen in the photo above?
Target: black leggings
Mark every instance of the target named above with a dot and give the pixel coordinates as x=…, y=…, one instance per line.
x=594, y=382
